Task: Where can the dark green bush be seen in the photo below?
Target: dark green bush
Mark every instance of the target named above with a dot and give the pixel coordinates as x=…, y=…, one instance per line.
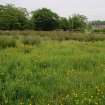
x=99, y=30
x=44, y=19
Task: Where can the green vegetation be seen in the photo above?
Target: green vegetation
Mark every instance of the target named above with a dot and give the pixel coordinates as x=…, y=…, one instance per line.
x=98, y=22
x=78, y=22
x=45, y=19
x=7, y=42
x=52, y=70
x=12, y=18
x=62, y=63
x=64, y=24
x=53, y=35
x=17, y=18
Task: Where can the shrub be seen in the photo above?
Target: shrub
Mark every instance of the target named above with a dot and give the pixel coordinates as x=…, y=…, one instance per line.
x=99, y=30
x=7, y=42
x=29, y=40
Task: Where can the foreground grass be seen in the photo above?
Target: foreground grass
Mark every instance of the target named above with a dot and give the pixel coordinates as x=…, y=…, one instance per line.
x=53, y=73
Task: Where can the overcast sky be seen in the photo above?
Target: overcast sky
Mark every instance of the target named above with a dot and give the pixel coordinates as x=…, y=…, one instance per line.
x=93, y=9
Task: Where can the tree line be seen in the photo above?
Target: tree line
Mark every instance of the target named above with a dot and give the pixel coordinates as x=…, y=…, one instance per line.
x=17, y=18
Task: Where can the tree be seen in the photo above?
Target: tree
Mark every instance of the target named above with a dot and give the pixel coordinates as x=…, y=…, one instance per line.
x=78, y=22
x=45, y=19
x=97, y=22
x=64, y=23
x=12, y=18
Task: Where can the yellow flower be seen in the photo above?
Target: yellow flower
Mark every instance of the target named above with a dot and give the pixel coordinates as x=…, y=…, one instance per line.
x=67, y=95
x=96, y=103
x=21, y=103
x=76, y=95
x=91, y=96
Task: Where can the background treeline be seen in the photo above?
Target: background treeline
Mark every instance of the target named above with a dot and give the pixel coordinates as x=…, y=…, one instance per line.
x=16, y=18
x=98, y=22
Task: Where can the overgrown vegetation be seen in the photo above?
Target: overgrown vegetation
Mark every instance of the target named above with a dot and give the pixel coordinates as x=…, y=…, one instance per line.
x=7, y=42
x=29, y=40
x=35, y=37
x=52, y=72
x=55, y=67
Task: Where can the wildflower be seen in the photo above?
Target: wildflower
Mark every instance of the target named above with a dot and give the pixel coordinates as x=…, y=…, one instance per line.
x=67, y=96
x=21, y=103
x=96, y=103
x=92, y=97
x=76, y=95
x=98, y=89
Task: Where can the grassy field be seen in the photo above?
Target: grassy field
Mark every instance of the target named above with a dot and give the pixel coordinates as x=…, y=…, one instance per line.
x=46, y=71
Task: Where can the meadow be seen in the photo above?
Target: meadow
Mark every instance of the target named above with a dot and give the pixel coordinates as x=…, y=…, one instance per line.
x=52, y=68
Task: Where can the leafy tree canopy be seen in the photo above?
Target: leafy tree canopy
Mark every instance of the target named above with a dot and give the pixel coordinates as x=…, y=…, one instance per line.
x=12, y=17
x=45, y=19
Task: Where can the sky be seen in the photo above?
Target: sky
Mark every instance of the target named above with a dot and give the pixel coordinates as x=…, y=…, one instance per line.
x=93, y=9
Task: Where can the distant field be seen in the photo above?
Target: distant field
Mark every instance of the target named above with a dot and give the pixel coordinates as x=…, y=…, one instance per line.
x=39, y=68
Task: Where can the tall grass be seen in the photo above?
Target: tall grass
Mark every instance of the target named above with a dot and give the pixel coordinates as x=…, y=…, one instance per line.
x=56, y=35
x=7, y=42
x=29, y=40
x=53, y=73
